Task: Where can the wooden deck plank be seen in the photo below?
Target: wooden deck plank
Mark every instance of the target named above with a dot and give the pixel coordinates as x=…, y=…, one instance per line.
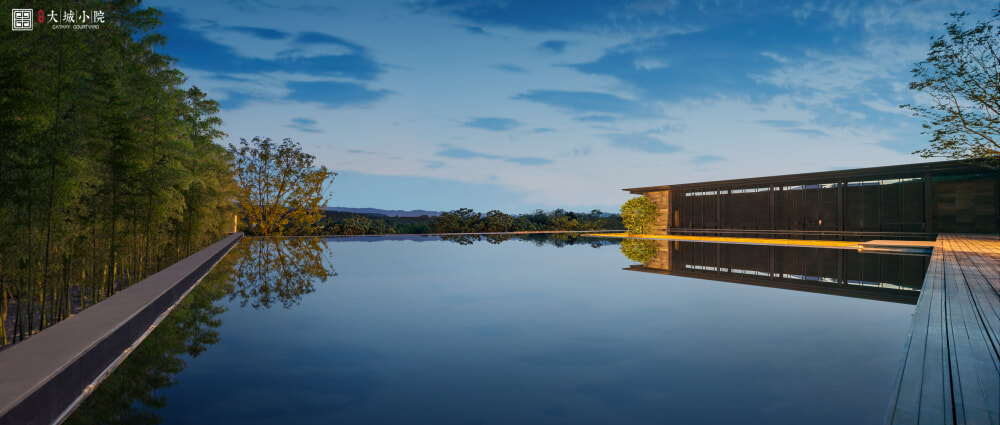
x=950, y=370
x=980, y=371
x=974, y=370
x=918, y=363
x=981, y=278
x=934, y=392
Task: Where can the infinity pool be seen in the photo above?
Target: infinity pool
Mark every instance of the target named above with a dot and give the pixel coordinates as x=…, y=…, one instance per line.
x=552, y=330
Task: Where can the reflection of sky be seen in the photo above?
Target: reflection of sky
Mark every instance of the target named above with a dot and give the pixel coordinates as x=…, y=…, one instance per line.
x=648, y=92
x=437, y=332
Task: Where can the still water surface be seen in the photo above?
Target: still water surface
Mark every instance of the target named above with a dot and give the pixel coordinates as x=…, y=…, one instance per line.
x=422, y=330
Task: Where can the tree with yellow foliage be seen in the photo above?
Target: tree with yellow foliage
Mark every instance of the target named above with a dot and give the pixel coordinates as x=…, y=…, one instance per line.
x=281, y=192
x=639, y=214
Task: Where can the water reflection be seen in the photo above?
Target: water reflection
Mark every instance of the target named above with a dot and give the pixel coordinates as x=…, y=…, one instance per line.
x=557, y=240
x=424, y=338
x=885, y=277
x=130, y=395
x=278, y=270
x=639, y=250
x=259, y=272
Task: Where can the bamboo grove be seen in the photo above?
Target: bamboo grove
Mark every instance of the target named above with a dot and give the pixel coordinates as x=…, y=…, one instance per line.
x=108, y=169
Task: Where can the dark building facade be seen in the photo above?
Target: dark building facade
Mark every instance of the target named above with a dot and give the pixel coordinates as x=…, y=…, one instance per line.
x=895, y=201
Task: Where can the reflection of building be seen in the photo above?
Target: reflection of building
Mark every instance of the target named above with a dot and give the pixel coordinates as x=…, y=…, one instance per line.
x=844, y=272
x=935, y=197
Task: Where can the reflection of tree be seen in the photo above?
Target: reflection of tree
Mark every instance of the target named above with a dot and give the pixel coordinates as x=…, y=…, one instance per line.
x=498, y=239
x=129, y=395
x=461, y=239
x=558, y=240
x=639, y=250
x=278, y=270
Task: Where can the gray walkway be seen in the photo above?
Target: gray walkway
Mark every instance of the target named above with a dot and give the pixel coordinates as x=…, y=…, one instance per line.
x=47, y=375
x=950, y=371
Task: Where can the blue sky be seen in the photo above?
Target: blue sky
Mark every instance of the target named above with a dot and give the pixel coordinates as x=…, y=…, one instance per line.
x=521, y=104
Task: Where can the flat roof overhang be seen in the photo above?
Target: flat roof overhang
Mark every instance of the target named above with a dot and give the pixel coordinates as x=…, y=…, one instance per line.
x=890, y=171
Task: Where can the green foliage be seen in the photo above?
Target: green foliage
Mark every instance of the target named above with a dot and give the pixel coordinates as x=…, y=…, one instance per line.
x=496, y=221
x=463, y=220
x=281, y=192
x=358, y=225
x=639, y=214
x=466, y=220
x=108, y=170
x=961, y=75
x=639, y=250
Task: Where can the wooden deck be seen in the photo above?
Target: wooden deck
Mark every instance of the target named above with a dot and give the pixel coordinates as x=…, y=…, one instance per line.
x=950, y=370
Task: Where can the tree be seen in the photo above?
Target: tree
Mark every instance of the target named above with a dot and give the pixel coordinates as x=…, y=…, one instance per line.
x=108, y=167
x=462, y=220
x=280, y=191
x=496, y=221
x=639, y=214
x=961, y=74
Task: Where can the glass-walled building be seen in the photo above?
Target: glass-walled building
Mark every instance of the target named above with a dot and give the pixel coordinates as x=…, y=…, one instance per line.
x=902, y=201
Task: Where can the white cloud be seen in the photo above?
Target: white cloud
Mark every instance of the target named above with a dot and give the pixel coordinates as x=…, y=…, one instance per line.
x=646, y=64
x=774, y=56
x=659, y=7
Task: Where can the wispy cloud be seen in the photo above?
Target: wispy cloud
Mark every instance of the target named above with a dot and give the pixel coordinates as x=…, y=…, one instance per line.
x=791, y=126
x=193, y=50
x=808, y=132
x=460, y=153
x=514, y=69
x=775, y=57
x=312, y=37
x=305, y=125
x=527, y=160
x=493, y=124
x=315, y=56
x=234, y=101
x=705, y=159
x=581, y=101
x=334, y=94
x=641, y=142
x=264, y=33
x=647, y=63
x=553, y=46
x=596, y=118
x=672, y=68
x=780, y=123
x=569, y=15
x=472, y=29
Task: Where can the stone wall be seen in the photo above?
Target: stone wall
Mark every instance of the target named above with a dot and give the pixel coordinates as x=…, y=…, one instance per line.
x=662, y=200
x=965, y=206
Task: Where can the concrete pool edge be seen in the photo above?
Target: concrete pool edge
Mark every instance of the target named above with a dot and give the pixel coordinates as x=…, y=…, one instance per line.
x=47, y=375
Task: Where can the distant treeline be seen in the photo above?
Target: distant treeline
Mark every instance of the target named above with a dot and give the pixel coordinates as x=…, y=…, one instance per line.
x=466, y=220
x=108, y=170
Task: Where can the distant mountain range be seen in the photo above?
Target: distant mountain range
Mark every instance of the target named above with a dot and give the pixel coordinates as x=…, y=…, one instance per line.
x=387, y=213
